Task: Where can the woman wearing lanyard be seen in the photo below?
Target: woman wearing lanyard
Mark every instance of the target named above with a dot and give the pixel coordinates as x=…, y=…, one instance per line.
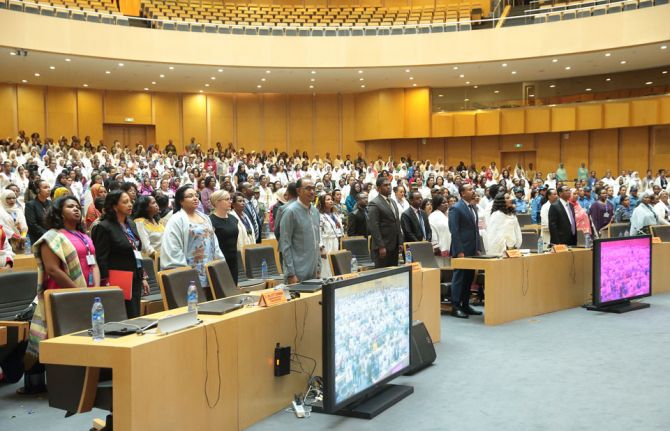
x=244, y=227
x=119, y=248
x=331, y=230
x=65, y=258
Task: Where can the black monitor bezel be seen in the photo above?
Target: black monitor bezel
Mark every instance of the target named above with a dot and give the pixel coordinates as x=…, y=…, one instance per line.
x=328, y=365
x=596, y=270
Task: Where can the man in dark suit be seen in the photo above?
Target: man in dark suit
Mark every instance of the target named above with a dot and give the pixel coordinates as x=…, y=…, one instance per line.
x=463, y=225
x=414, y=221
x=358, y=219
x=562, y=225
x=384, y=226
x=248, y=193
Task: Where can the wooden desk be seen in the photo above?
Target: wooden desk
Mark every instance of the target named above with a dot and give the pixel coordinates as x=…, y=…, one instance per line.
x=532, y=285
x=172, y=381
x=3, y=336
x=660, y=268
x=25, y=262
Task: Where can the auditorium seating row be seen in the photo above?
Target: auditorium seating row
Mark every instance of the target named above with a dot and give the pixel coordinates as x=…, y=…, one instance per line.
x=582, y=9
x=100, y=11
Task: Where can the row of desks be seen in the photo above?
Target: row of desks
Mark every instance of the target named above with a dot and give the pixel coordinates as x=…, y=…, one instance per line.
x=218, y=375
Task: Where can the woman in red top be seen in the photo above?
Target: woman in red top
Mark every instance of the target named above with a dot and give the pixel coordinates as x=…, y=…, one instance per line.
x=6, y=252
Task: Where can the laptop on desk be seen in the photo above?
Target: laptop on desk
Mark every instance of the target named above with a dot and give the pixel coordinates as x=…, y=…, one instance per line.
x=307, y=286
x=225, y=305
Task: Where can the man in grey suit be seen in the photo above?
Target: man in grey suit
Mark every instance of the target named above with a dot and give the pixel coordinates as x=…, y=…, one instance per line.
x=384, y=225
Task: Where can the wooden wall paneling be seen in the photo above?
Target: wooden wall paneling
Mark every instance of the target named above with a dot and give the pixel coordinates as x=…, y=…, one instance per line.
x=120, y=105
x=512, y=121
x=431, y=149
x=616, y=114
x=538, y=120
x=327, y=125
x=574, y=151
x=391, y=105
x=194, y=115
x=510, y=142
x=221, y=111
x=660, y=148
x=61, y=107
x=31, y=110
x=634, y=149
x=376, y=149
x=488, y=122
x=464, y=124
x=274, y=122
x=548, y=152
x=349, y=143
x=8, y=111
x=442, y=125
x=301, y=123
x=168, y=120
x=589, y=116
x=563, y=118
x=367, y=116
x=402, y=148
x=644, y=112
x=417, y=113
x=457, y=150
x=604, y=151
x=664, y=113
x=485, y=149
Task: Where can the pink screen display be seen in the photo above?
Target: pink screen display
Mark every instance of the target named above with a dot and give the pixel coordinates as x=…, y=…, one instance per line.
x=624, y=269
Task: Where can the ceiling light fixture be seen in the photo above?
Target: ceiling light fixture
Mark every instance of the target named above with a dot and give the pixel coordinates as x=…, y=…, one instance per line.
x=312, y=79
x=407, y=71
x=664, y=46
x=68, y=60
x=121, y=64
x=514, y=72
x=220, y=70
x=263, y=79
x=206, y=85
x=411, y=78
x=363, y=86
x=476, y=86
x=146, y=89
x=213, y=78
x=608, y=79
x=608, y=54
x=455, y=67
x=466, y=100
x=161, y=76
x=25, y=81
x=201, y=91
x=153, y=82
x=171, y=67
x=413, y=85
x=12, y=52
x=313, y=72
x=440, y=95
x=268, y=72
x=37, y=74
x=311, y=86
x=568, y=67
x=555, y=60
x=623, y=62
x=504, y=65
x=665, y=72
x=648, y=82
x=361, y=79
x=588, y=89
x=552, y=86
x=52, y=67
x=85, y=85
x=107, y=72
x=496, y=91
x=360, y=71
x=461, y=76
x=259, y=86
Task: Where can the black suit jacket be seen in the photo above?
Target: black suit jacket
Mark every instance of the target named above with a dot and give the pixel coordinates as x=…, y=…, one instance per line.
x=35, y=212
x=560, y=229
x=411, y=228
x=463, y=225
x=382, y=224
x=114, y=251
x=357, y=223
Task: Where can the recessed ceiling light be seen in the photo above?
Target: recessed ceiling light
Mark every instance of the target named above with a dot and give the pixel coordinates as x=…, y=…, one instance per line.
x=407, y=70
x=608, y=79
x=213, y=78
x=568, y=67
x=623, y=62
x=665, y=72
x=161, y=76
x=413, y=85
x=411, y=78
x=588, y=89
x=608, y=54
x=555, y=60
x=455, y=67
x=466, y=100
x=107, y=72
x=153, y=82
x=476, y=86
x=648, y=82
x=363, y=86
x=312, y=79
x=514, y=72
x=52, y=67
x=37, y=74
x=311, y=86
x=268, y=71
x=201, y=91
x=461, y=76
x=24, y=81
x=263, y=79
x=467, y=82
x=259, y=86
x=68, y=60
x=146, y=89
x=361, y=79
x=121, y=64
x=440, y=95
x=552, y=86
x=206, y=85
x=531, y=95
x=504, y=65
x=12, y=53
x=220, y=70
x=313, y=72
x=171, y=67
x=664, y=46
x=85, y=85
x=496, y=91
x=360, y=71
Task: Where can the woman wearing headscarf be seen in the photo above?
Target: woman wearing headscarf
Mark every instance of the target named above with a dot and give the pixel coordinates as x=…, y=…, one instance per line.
x=92, y=214
x=12, y=218
x=503, y=230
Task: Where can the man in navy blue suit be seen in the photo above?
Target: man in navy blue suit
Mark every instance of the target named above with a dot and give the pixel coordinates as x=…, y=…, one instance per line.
x=463, y=224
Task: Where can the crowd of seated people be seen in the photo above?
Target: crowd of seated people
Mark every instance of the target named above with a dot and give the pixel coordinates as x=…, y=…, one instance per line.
x=111, y=205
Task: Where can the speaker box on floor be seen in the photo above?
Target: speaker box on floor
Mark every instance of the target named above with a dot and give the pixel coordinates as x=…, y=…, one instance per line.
x=422, y=351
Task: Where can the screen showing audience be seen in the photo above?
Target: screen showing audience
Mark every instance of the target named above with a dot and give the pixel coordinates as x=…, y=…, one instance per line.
x=625, y=269
x=372, y=333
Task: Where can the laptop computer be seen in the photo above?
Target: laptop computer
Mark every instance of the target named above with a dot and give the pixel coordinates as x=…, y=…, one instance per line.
x=307, y=286
x=226, y=305
x=130, y=326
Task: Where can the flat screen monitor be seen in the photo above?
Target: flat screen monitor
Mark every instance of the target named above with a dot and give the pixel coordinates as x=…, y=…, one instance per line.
x=366, y=335
x=621, y=269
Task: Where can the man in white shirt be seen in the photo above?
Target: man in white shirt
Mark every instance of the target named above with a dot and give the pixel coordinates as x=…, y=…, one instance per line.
x=49, y=174
x=552, y=196
x=662, y=209
x=6, y=175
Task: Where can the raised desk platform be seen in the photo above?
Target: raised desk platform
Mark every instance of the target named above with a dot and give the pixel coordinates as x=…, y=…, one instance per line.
x=172, y=381
x=528, y=286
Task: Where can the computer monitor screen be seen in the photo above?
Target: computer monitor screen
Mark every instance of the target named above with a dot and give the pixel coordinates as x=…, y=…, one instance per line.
x=367, y=334
x=621, y=269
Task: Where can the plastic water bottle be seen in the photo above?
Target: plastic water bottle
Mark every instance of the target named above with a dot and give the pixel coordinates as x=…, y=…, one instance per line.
x=408, y=256
x=540, y=245
x=354, y=265
x=587, y=240
x=26, y=247
x=264, y=269
x=97, y=320
x=192, y=297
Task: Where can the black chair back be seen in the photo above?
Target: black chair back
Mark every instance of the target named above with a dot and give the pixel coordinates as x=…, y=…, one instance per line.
x=341, y=261
x=524, y=219
x=221, y=280
x=422, y=252
x=661, y=231
x=529, y=240
x=241, y=272
x=175, y=284
x=17, y=291
x=253, y=257
x=359, y=248
x=617, y=230
x=154, y=287
x=71, y=312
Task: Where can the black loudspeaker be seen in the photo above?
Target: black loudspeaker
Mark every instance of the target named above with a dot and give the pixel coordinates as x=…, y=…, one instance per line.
x=422, y=353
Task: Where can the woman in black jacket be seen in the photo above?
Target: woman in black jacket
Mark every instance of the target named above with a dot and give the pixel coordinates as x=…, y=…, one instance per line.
x=118, y=247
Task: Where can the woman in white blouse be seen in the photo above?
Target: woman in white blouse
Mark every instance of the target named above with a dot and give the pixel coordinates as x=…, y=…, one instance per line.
x=12, y=217
x=146, y=215
x=244, y=224
x=503, y=230
x=439, y=225
x=331, y=231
